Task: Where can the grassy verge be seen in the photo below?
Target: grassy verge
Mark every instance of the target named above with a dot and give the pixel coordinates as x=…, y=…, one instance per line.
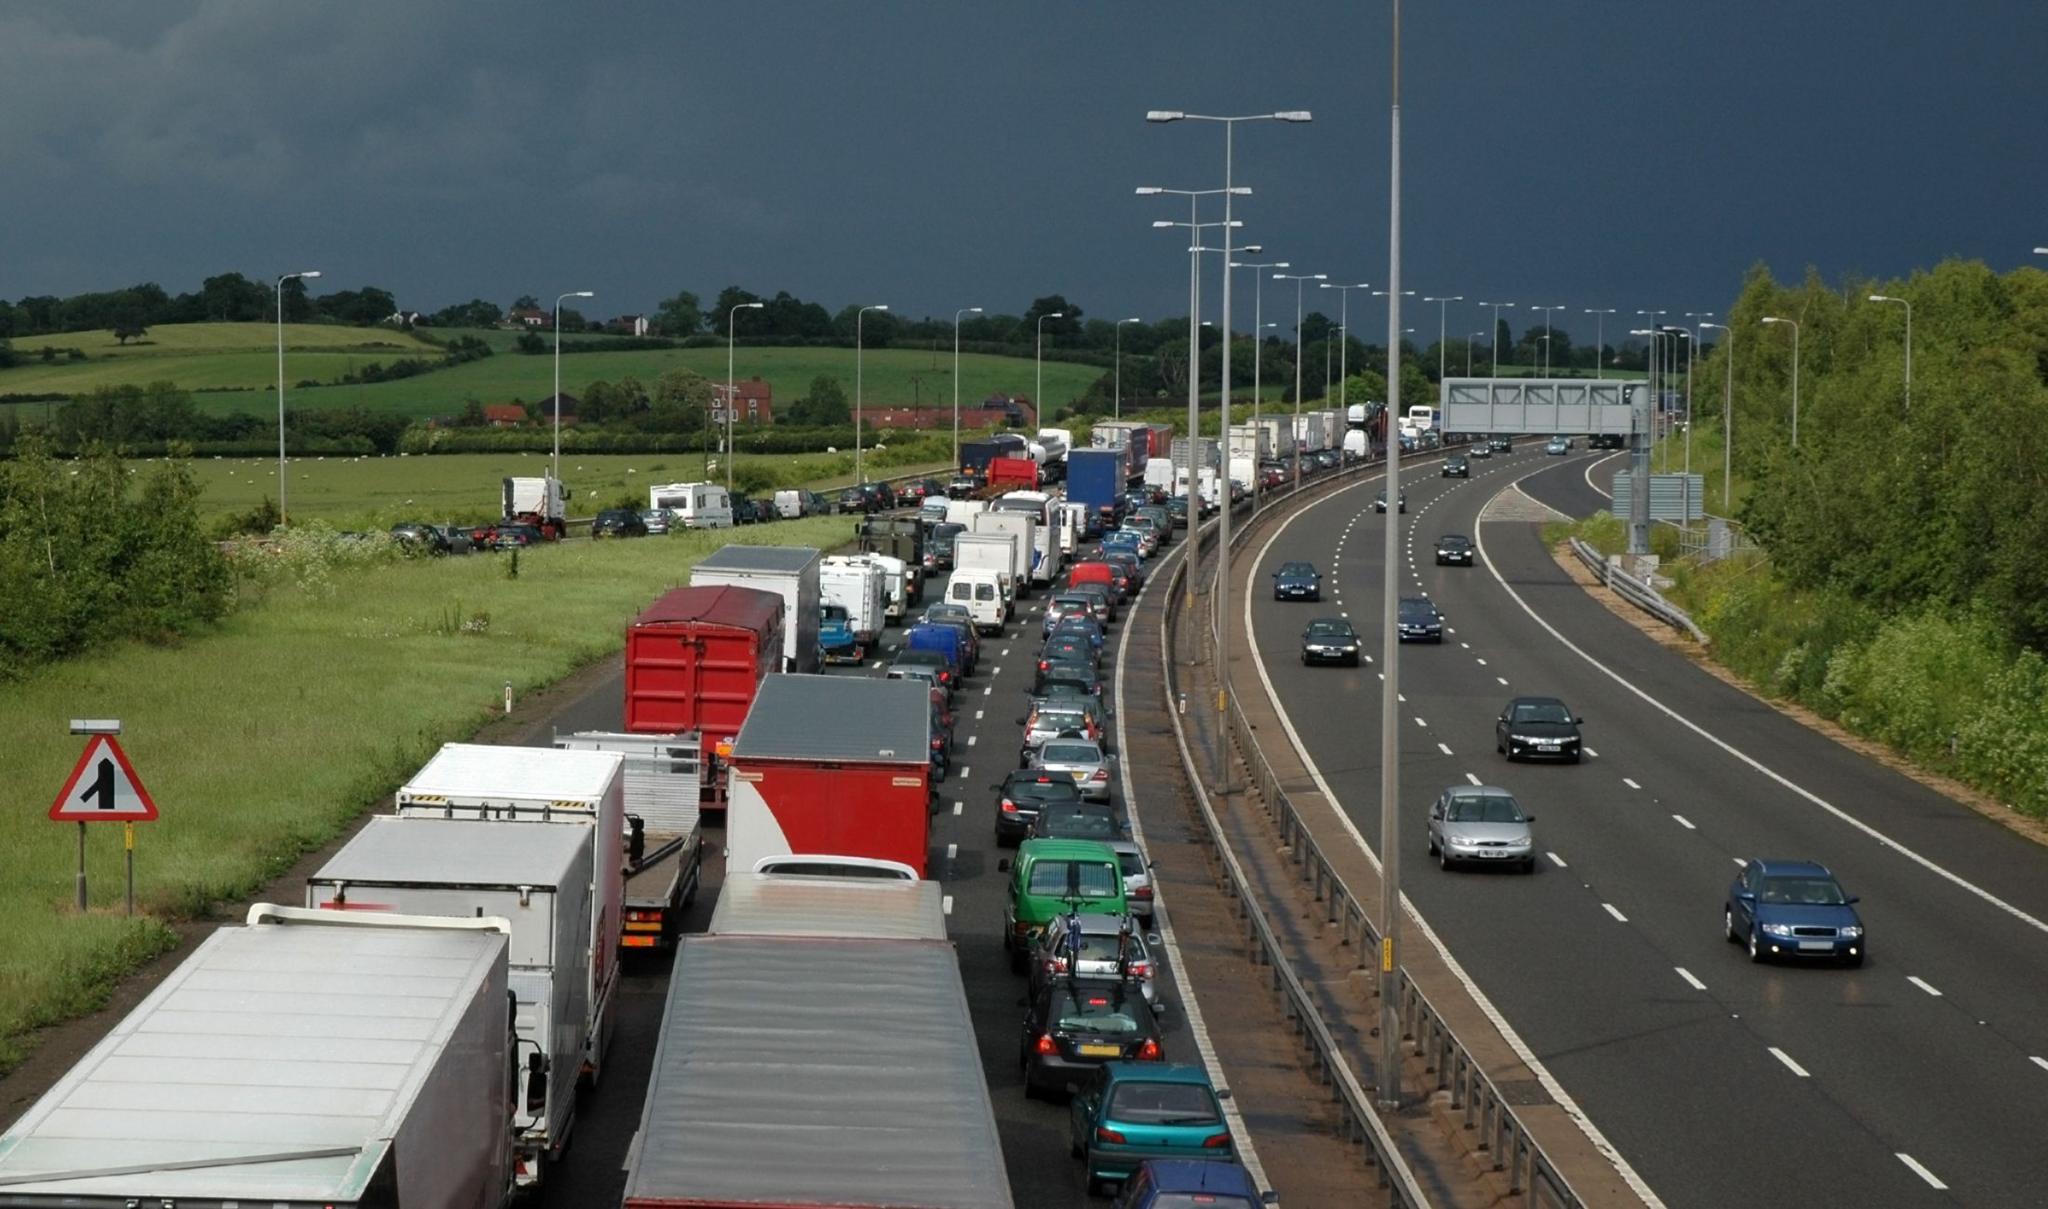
x=263, y=739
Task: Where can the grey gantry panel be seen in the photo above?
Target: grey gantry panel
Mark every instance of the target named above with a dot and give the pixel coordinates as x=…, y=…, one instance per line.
x=1540, y=406
x=1673, y=497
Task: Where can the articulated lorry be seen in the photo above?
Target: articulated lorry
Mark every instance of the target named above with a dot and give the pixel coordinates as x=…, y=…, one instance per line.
x=541, y=502
x=303, y=1059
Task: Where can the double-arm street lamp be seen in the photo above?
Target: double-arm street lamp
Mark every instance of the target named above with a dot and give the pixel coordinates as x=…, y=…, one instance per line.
x=965, y=310
x=1443, y=309
x=1194, y=227
x=1599, y=340
x=1258, y=349
x=860, y=316
x=1909, y=341
x=282, y=515
x=1344, y=342
x=1493, y=339
x=1298, y=279
x=1547, y=312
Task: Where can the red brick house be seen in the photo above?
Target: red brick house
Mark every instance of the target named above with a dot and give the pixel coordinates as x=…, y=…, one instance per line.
x=755, y=402
x=504, y=415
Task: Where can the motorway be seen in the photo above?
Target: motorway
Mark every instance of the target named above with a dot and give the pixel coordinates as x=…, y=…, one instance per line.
x=986, y=740
x=1920, y=1078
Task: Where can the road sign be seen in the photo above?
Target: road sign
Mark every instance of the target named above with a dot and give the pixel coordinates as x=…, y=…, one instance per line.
x=103, y=788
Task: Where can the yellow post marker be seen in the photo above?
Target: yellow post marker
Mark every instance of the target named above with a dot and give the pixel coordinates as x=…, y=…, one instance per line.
x=128, y=844
x=1387, y=954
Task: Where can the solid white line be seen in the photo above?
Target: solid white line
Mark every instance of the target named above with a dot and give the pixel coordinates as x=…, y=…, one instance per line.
x=2031, y=921
x=1615, y=912
x=958, y=807
x=1198, y=1027
x=1786, y=1058
x=1917, y=981
x=1686, y=974
x=1555, y=859
x=1444, y=748
x=1685, y=822
x=1588, y=475
x=1920, y=1171
x=1631, y=784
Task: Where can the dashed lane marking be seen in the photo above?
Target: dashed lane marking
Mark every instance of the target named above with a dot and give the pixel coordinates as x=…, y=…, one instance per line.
x=1684, y=822
x=1615, y=912
x=1917, y=981
x=1690, y=981
x=1792, y=1066
x=1913, y=1164
x=1444, y=748
x=1557, y=860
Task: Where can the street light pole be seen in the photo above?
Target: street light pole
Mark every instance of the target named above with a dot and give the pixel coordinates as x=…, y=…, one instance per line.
x=732, y=394
x=1546, y=332
x=965, y=310
x=1727, y=420
x=1468, y=352
x=555, y=466
x=1909, y=341
x=1656, y=319
x=1297, y=279
x=1038, y=356
x=1344, y=341
x=1389, y=1089
x=1192, y=489
x=1600, y=341
x=1119, y=412
x=1493, y=337
x=1258, y=352
x=1794, y=324
x=283, y=516
x=859, y=317
x=1692, y=340
x=1442, y=309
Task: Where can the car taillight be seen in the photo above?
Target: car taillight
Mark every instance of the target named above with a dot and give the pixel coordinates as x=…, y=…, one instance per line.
x=1104, y=1133
x=1101, y=774
x=1009, y=807
x=937, y=742
x=944, y=677
x=1045, y=1044
x=1043, y=664
x=1140, y=969
x=1216, y=1141
x=1149, y=1052
x=1142, y=892
x=1059, y=965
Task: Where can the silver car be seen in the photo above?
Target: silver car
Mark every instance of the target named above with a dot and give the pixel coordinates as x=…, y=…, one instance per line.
x=657, y=520
x=1101, y=936
x=1080, y=759
x=1063, y=606
x=1481, y=825
x=1137, y=873
x=1051, y=720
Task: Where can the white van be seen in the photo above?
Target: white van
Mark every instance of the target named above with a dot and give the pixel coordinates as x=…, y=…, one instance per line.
x=1072, y=519
x=895, y=580
x=695, y=505
x=981, y=591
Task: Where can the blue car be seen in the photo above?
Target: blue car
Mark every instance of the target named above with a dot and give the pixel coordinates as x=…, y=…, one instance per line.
x=1126, y=1112
x=1123, y=539
x=1170, y=1183
x=1793, y=909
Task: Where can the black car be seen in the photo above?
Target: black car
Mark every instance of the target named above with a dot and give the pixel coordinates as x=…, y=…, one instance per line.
x=1080, y=821
x=618, y=522
x=1177, y=511
x=1297, y=581
x=424, y=539
x=1501, y=444
x=1454, y=549
x=1607, y=440
x=1077, y=1023
x=1022, y=794
x=1074, y=678
x=1480, y=450
x=510, y=535
x=1537, y=728
x=1456, y=467
x=1081, y=668
x=868, y=497
x=1330, y=640
x=1419, y=620
x=941, y=668
x=1072, y=646
x=1379, y=503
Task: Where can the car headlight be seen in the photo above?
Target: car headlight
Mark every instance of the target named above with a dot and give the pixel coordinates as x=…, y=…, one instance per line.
x=1777, y=929
x=1350, y=647
x=1852, y=931
x=1456, y=842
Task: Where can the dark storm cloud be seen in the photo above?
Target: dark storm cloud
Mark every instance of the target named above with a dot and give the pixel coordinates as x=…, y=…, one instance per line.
x=936, y=155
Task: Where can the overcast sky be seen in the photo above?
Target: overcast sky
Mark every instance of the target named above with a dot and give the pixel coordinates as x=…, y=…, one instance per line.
x=1594, y=153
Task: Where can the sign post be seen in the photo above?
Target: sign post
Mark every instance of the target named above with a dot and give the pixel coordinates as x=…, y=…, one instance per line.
x=103, y=788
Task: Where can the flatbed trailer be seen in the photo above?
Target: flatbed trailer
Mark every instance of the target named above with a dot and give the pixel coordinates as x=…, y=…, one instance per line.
x=668, y=787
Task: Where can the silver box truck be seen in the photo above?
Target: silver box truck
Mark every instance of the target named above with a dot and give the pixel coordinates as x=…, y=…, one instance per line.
x=791, y=571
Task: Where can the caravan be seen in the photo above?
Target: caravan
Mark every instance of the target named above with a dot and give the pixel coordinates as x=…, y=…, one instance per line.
x=695, y=505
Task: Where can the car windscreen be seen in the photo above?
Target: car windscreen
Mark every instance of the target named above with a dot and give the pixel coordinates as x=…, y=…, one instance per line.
x=1163, y=1104
x=1057, y=720
x=834, y=613
x=1099, y=1011
x=1294, y=569
x=1074, y=879
x=1804, y=891
x=1072, y=753
x=1542, y=713
x=1199, y=1200
x=1329, y=629
x=1452, y=540
x=1077, y=825
x=1048, y=791
x=1484, y=808
x=1416, y=610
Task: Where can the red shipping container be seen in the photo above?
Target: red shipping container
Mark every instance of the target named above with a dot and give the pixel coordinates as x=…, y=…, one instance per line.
x=832, y=766
x=695, y=659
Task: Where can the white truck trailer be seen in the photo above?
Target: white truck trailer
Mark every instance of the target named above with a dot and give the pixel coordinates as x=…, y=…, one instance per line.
x=538, y=878
x=977, y=550
x=1027, y=552
x=300, y=1058
x=857, y=587
x=791, y=571
x=545, y=787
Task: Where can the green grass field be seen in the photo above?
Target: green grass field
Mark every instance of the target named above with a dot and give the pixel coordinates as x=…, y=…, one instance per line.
x=377, y=492
x=204, y=355
x=263, y=739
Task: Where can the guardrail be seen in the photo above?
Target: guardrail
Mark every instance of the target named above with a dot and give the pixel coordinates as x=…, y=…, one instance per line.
x=1637, y=592
x=1530, y=1171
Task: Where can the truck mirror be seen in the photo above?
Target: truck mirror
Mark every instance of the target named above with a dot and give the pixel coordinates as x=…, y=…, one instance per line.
x=1003, y=866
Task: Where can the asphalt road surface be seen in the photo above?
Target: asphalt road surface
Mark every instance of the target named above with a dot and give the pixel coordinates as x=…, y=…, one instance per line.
x=1920, y=1078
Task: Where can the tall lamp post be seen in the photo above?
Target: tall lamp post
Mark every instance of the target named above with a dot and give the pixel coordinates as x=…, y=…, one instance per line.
x=1038, y=356
x=1692, y=339
x=1119, y=412
x=1794, y=324
x=1222, y=591
x=1727, y=420
x=1442, y=309
x=732, y=393
x=860, y=316
x=1344, y=341
x=1493, y=336
x=1192, y=490
x=555, y=467
x=1297, y=279
x=1679, y=333
x=1599, y=340
x=1547, y=312
x=1909, y=341
x=1468, y=351
x=283, y=516
x=965, y=310
x=1656, y=319
x=1258, y=350
x=1389, y=1083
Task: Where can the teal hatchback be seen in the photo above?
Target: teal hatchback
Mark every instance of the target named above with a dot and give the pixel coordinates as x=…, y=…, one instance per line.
x=1128, y=1112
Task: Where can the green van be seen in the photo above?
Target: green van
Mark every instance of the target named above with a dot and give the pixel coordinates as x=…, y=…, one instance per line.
x=1050, y=877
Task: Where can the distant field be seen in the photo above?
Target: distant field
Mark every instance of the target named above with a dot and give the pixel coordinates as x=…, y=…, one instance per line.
x=201, y=355
x=374, y=492
x=213, y=355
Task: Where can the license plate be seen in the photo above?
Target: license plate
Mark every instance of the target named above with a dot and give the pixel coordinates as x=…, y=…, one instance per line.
x=1099, y=1051
x=1546, y=747
x=1816, y=944
x=1493, y=855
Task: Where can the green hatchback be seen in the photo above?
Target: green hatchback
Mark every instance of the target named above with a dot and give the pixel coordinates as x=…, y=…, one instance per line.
x=1050, y=877
x=1128, y=1112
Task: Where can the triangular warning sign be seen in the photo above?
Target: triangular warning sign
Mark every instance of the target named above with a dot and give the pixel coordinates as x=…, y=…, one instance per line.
x=103, y=788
